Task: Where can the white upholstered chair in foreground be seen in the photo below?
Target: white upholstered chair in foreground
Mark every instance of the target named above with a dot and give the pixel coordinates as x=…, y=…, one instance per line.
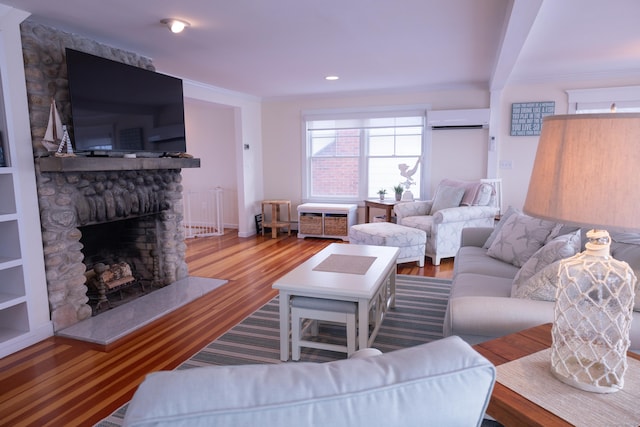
x=455, y=205
x=443, y=383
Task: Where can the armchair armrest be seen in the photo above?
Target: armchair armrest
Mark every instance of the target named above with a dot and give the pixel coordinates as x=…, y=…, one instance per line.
x=405, y=209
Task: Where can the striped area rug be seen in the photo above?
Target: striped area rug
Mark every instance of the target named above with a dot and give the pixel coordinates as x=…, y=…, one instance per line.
x=417, y=318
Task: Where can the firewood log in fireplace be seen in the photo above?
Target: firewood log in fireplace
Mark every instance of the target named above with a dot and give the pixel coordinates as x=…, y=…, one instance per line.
x=105, y=279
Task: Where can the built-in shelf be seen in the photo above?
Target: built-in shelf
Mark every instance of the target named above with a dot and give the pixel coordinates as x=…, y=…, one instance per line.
x=85, y=164
x=24, y=306
x=8, y=300
x=8, y=205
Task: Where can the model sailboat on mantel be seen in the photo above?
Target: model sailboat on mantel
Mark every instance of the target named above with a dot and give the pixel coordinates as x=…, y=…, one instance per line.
x=56, y=136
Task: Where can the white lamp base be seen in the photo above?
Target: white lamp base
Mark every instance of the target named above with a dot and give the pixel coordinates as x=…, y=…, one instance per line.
x=593, y=313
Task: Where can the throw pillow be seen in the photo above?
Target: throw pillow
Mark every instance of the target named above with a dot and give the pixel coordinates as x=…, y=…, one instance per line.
x=541, y=286
x=470, y=189
x=510, y=211
x=476, y=193
x=519, y=238
x=561, y=247
x=483, y=195
x=447, y=197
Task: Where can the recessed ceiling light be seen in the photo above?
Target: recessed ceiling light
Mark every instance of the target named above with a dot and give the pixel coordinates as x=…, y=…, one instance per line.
x=331, y=78
x=175, y=25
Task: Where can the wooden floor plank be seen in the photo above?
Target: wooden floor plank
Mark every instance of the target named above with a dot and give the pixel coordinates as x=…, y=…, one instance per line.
x=65, y=382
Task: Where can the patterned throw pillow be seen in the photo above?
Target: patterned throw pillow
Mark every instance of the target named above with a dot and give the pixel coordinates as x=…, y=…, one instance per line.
x=510, y=211
x=561, y=247
x=541, y=286
x=519, y=238
x=447, y=197
x=476, y=193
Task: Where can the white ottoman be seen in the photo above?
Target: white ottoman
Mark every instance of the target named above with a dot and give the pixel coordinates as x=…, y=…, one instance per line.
x=411, y=241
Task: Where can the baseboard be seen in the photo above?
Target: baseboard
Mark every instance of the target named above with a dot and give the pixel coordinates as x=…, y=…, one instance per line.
x=28, y=338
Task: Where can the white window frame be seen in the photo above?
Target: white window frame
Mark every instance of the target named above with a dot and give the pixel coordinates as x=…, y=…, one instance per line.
x=360, y=113
x=626, y=98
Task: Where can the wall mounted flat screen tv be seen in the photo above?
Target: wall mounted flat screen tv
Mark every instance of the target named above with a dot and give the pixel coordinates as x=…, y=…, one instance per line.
x=118, y=108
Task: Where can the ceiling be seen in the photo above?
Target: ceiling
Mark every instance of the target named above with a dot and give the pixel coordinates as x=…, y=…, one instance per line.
x=285, y=48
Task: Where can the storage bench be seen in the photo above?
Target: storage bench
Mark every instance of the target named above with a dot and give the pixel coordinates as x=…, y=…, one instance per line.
x=329, y=220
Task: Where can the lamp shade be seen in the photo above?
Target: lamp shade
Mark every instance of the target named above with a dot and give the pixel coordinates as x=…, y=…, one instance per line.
x=584, y=172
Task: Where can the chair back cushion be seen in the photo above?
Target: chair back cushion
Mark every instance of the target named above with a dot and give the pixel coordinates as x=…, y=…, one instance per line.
x=444, y=382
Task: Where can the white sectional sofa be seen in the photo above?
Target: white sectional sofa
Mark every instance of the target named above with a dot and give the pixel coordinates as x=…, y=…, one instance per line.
x=481, y=306
x=443, y=383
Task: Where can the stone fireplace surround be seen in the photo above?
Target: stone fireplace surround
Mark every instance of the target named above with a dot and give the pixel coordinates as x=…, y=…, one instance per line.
x=77, y=192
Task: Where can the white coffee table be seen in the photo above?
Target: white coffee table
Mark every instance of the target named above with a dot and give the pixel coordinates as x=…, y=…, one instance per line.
x=377, y=284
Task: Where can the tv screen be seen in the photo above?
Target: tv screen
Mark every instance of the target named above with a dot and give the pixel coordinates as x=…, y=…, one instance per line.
x=120, y=108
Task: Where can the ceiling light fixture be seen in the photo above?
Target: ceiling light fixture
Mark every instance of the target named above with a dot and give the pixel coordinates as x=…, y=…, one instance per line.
x=175, y=25
x=331, y=78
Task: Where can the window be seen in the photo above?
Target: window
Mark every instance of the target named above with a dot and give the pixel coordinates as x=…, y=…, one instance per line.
x=349, y=158
x=626, y=100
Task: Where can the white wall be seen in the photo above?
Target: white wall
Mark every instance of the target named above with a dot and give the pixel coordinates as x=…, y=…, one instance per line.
x=283, y=136
x=247, y=146
x=458, y=154
x=210, y=130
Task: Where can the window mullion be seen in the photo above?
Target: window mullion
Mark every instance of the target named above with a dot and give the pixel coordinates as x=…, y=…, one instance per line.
x=363, y=187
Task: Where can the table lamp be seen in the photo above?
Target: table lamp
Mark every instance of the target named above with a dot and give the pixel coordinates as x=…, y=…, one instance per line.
x=584, y=175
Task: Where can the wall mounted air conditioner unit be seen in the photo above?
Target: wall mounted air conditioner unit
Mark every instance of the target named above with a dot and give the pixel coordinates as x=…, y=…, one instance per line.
x=458, y=119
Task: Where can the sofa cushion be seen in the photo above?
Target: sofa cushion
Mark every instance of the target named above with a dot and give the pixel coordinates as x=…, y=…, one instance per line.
x=472, y=259
x=480, y=285
x=626, y=247
x=519, y=238
x=447, y=197
x=559, y=248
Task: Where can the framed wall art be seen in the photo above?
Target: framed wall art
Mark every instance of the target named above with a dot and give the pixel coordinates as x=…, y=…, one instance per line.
x=526, y=117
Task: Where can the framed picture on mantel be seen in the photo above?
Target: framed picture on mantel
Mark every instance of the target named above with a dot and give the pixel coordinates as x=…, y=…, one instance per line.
x=526, y=117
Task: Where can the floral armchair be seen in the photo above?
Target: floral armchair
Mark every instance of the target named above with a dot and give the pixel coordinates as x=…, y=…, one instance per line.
x=456, y=205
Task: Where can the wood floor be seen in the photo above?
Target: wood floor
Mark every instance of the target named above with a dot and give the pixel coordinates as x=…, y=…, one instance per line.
x=62, y=382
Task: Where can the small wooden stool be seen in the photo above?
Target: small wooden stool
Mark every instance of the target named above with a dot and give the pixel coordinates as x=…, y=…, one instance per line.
x=327, y=310
x=275, y=217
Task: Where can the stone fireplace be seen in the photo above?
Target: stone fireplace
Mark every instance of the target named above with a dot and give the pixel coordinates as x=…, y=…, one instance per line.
x=76, y=194
x=131, y=213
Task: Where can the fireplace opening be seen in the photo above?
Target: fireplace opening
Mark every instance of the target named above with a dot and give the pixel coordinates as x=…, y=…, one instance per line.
x=122, y=261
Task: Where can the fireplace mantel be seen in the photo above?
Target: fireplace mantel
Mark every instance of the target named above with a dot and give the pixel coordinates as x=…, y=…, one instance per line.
x=83, y=164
